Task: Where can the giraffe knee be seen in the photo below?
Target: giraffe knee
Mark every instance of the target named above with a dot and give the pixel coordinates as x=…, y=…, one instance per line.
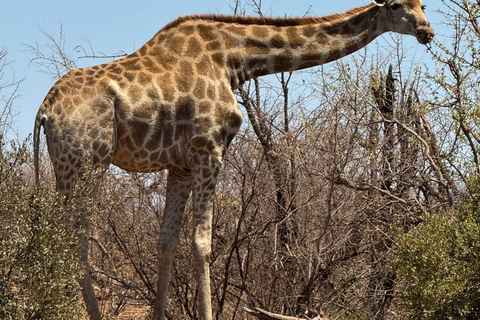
x=202, y=251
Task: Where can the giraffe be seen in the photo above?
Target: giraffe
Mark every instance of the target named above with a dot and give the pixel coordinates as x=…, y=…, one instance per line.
x=171, y=105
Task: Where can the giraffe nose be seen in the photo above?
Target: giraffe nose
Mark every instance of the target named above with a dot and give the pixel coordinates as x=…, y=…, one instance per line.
x=425, y=34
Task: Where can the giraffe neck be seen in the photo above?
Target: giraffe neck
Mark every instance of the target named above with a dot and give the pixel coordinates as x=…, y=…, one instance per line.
x=293, y=48
x=247, y=47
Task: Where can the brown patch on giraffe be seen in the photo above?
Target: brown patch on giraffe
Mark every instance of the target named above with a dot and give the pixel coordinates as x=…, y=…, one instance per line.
x=183, y=78
x=95, y=145
x=230, y=41
x=90, y=81
x=131, y=64
x=139, y=130
x=143, y=50
x=257, y=65
x=283, y=63
x=194, y=47
x=154, y=141
x=225, y=94
x=277, y=41
x=176, y=44
x=87, y=93
x=322, y=38
x=186, y=29
x=129, y=76
x=66, y=90
x=211, y=94
x=185, y=109
x=203, y=124
x=260, y=32
x=164, y=157
x=76, y=101
x=309, y=31
x=219, y=58
x=90, y=72
x=207, y=32
x=203, y=65
x=235, y=60
x=144, y=78
x=357, y=21
x=204, y=107
x=200, y=88
x=201, y=142
x=142, y=154
x=214, y=45
x=152, y=93
x=135, y=93
x=106, y=161
x=294, y=39
x=256, y=47
x=104, y=150
x=240, y=31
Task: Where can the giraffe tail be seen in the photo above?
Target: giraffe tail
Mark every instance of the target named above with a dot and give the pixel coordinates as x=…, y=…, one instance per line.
x=39, y=121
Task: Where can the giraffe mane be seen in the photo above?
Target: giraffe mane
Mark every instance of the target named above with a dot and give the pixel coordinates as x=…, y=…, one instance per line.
x=280, y=22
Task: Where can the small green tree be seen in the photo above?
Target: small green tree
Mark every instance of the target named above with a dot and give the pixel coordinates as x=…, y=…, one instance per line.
x=39, y=267
x=438, y=265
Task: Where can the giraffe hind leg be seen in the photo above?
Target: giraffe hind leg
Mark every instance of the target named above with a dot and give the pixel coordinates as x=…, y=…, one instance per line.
x=178, y=190
x=79, y=220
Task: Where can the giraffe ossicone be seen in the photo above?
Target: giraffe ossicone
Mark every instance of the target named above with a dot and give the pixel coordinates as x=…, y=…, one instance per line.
x=170, y=105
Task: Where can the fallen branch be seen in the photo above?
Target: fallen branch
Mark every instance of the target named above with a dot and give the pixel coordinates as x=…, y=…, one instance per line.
x=265, y=315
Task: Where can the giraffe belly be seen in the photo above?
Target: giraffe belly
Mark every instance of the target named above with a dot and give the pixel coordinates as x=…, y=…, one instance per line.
x=146, y=149
x=144, y=160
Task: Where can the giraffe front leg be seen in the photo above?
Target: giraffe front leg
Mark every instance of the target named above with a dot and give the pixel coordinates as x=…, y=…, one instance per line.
x=205, y=165
x=178, y=191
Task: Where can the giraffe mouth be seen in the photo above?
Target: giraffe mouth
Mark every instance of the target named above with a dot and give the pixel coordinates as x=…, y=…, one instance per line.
x=425, y=35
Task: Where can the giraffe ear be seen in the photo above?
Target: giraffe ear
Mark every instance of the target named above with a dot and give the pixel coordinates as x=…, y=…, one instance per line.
x=380, y=3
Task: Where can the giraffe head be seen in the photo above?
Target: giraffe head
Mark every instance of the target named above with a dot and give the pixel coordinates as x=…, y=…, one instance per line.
x=407, y=17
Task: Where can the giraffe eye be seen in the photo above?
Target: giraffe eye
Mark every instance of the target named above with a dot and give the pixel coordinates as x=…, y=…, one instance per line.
x=424, y=7
x=395, y=6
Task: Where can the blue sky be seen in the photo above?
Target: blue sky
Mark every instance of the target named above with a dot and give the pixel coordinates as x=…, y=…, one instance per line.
x=115, y=26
